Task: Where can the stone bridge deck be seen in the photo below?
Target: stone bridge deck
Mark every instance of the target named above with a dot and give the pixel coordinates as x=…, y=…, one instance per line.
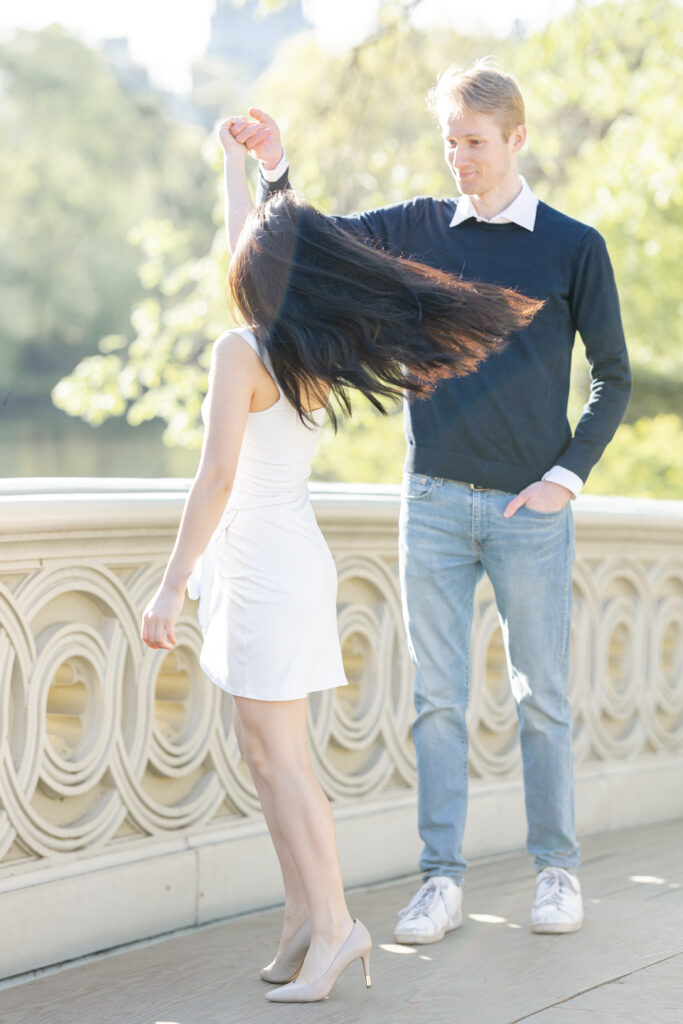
x=625, y=966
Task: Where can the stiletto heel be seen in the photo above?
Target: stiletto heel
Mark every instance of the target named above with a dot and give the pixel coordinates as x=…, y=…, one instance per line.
x=357, y=946
x=365, y=958
x=287, y=965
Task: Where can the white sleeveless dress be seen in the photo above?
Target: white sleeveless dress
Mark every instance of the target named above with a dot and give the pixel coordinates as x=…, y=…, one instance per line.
x=267, y=583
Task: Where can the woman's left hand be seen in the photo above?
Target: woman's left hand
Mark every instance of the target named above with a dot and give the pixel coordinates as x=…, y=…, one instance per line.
x=225, y=134
x=160, y=616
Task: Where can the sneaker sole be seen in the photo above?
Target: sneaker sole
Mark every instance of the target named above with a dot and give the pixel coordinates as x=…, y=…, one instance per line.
x=410, y=939
x=556, y=929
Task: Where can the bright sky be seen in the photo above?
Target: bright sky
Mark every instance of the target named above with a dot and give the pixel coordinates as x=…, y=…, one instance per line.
x=166, y=38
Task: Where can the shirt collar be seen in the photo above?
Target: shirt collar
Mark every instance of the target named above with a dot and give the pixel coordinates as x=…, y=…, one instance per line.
x=521, y=211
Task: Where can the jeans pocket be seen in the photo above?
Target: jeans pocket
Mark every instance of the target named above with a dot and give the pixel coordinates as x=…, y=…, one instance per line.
x=417, y=485
x=542, y=515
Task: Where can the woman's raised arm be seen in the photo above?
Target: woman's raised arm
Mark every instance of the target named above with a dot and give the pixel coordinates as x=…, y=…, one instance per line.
x=238, y=136
x=238, y=204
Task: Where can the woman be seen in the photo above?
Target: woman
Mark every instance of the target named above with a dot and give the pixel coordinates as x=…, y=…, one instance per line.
x=324, y=313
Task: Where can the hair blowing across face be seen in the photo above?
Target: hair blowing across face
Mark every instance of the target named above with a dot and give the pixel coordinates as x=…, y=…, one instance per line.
x=334, y=313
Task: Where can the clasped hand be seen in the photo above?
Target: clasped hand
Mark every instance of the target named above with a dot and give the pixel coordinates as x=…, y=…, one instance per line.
x=258, y=134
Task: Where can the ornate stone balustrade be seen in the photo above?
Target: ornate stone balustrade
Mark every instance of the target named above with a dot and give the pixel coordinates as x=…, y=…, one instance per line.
x=125, y=810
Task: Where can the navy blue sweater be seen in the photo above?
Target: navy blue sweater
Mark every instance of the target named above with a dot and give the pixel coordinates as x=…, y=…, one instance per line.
x=506, y=424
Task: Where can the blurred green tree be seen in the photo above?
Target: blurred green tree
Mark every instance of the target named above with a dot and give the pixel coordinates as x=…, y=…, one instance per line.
x=644, y=460
x=83, y=161
x=606, y=138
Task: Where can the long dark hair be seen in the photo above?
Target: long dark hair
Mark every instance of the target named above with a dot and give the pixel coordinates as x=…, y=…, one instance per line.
x=334, y=313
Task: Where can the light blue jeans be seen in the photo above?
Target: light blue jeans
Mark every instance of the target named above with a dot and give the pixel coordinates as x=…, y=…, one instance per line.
x=449, y=535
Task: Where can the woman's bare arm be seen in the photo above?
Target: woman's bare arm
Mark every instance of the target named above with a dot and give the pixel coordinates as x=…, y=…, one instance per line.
x=238, y=204
x=259, y=136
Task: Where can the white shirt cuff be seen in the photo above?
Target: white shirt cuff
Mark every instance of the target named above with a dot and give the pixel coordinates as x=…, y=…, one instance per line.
x=565, y=477
x=276, y=173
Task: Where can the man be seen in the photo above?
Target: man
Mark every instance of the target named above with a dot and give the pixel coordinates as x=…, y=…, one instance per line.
x=490, y=470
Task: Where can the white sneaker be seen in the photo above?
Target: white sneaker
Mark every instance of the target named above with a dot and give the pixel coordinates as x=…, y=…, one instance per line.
x=434, y=910
x=557, y=904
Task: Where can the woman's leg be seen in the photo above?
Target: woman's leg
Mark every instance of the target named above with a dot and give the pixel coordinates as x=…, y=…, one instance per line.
x=275, y=745
x=296, y=904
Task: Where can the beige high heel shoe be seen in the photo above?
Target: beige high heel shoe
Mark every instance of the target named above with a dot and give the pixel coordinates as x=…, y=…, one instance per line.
x=357, y=946
x=287, y=965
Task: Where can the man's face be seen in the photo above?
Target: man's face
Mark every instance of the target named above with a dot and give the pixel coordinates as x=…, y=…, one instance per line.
x=479, y=157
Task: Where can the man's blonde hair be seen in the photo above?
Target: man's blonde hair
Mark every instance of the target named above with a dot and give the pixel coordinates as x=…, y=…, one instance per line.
x=484, y=88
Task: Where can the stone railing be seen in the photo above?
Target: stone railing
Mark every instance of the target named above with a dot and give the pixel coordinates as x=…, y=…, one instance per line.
x=125, y=809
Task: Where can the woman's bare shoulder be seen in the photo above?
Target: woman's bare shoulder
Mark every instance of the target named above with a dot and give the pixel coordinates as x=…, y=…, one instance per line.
x=235, y=341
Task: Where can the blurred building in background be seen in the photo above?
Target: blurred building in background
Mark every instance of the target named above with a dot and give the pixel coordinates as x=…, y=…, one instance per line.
x=242, y=45
x=243, y=37
x=131, y=75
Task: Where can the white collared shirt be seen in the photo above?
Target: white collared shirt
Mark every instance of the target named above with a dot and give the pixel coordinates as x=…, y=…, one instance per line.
x=521, y=211
x=277, y=171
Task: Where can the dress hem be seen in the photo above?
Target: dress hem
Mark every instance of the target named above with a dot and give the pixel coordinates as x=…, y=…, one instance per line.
x=279, y=699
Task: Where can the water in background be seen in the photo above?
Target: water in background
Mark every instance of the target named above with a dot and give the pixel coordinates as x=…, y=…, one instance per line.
x=47, y=442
